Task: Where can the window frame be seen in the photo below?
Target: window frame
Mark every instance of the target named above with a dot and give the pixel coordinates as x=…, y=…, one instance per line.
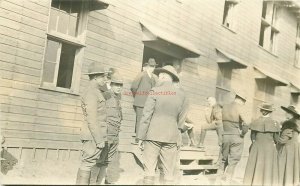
x=233, y=13
x=269, y=20
x=224, y=86
x=78, y=41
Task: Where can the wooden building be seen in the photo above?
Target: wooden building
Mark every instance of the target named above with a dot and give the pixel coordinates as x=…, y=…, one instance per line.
x=218, y=46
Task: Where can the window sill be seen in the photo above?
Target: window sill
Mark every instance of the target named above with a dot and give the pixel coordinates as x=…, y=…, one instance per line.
x=229, y=29
x=68, y=39
x=275, y=55
x=223, y=88
x=59, y=89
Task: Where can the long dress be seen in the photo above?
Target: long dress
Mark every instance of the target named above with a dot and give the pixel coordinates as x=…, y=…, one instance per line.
x=262, y=165
x=289, y=153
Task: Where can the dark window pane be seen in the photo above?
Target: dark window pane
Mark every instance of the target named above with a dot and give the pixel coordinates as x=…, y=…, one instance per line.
x=294, y=99
x=76, y=6
x=65, y=6
x=55, y=3
x=51, y=51
x=48, y=72
x=264, y=9
x=260, y=88
x=225, y=14
x=262, y=35
x=66, y=65
x=222, y=96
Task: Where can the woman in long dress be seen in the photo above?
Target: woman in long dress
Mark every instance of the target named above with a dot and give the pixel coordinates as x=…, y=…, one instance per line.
x=262, y=165
x=289, y=149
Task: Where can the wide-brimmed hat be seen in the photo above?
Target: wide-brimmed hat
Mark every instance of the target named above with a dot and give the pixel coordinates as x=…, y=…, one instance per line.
x=117, y=78
x=241, y=95
x=96, y=68
x=267, y=107
x=151, y=62
x=291, y=109
x=169, y=70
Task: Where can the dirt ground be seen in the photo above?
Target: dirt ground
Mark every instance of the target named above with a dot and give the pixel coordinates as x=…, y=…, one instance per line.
x=64, y=173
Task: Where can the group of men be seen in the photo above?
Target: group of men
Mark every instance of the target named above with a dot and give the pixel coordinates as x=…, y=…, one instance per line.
x=159, y=124
x=100, y=132
x=160, y=120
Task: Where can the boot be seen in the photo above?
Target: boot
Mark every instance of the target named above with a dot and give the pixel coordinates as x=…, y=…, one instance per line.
x=83, y=177
x=148, y=180
x=191, y=136
x=101, y=175
x=201, y=142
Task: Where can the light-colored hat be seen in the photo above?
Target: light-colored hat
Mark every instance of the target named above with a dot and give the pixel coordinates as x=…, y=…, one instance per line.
x=96, y=68
x=169, y=70
x=267, y=107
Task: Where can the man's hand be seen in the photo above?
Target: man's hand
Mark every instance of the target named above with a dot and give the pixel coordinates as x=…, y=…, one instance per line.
x=101, y=145
x=141, y=144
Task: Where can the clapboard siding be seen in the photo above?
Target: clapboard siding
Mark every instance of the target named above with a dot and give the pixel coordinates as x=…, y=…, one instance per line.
x=38, y=118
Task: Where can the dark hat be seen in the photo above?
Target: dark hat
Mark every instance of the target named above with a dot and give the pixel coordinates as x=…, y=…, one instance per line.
x=116, y=78
x=151, y=62
x=291, y=109
x=96, y=68
x=267, y=107
x=241, y=95
x=169, y=70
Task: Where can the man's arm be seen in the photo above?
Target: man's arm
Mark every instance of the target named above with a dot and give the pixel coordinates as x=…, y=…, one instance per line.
x=183, y=113
x=136, y=83
x=90, y=109
x=147, y=115
x=217, y=115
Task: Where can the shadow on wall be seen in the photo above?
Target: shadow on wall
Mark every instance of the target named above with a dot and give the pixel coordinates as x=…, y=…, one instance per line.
x=8, y=161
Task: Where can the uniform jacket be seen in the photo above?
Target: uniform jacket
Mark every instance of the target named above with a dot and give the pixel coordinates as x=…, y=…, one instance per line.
x=163, y=115
x=233, y=119
x=94, y=111
x=140, y=86
x=114, y=116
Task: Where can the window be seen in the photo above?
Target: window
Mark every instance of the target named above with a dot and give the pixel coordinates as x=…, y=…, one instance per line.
x=264, y=92
x=229, y=15
x=161, y=59
x=65, y=42
x=294, y=99
x=223, y=83
x=297, y=48
x=268, y=29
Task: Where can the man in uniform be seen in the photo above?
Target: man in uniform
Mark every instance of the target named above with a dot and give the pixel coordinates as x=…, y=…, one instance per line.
x=159, y=132
x=140, y=88
x=94, y=129
x=234, y=129
x=114, y=118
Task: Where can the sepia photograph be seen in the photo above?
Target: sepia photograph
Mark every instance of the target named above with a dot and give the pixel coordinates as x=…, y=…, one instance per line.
x=150, y=92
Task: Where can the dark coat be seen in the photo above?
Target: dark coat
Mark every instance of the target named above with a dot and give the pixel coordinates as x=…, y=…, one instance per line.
x=262, y=165
x=289, y=153
x=164, y=115
x=233, y=119
x=141, y=86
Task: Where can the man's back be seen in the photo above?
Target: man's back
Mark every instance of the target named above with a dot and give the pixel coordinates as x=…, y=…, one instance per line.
x=163, y=111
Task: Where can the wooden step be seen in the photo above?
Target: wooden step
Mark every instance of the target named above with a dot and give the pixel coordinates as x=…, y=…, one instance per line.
x=198, y=167
x=208, y=161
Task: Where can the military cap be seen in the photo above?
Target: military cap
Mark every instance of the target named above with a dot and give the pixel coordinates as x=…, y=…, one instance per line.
x=96, y=68
x=116, y=78
x=151, y=62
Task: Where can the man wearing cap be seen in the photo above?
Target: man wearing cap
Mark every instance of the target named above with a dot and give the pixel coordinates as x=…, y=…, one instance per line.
x=159, y=132
x=94, y=129
x=140, y=88
x=113, y=119
x=234, y=129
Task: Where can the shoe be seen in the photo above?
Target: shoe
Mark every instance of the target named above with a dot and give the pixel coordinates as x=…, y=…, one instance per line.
x=108, y=183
